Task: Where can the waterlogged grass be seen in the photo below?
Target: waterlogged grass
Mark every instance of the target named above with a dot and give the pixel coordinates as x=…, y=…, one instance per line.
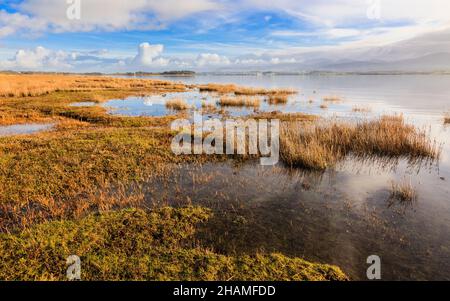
x=243, y=91
x=141, y=245
x=240, y=101
x=59, y=174
x=403, y=192
x=447, y=118
x=319, y=146
x=278, y=98
x=177, y=104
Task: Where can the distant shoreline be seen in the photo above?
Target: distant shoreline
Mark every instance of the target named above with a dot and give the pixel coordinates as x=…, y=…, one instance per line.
x=249, y=73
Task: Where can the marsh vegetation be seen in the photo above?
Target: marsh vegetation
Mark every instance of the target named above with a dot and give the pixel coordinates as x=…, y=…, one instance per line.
x=107, y=177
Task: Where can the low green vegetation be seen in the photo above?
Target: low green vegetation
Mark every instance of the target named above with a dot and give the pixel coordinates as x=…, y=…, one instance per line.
x=141, y=245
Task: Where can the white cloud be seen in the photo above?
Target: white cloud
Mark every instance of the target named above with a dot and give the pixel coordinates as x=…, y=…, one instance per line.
x=38, y=58
x=211, y=59
x=147, y=54
x=51, y=15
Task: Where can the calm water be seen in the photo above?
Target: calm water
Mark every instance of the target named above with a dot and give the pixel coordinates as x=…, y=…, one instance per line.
x=341, y=216
x=22, y=129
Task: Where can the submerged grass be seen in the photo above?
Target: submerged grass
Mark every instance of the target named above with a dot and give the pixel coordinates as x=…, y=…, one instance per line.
x=141, y=245
x=320, y=146
x=403, y=192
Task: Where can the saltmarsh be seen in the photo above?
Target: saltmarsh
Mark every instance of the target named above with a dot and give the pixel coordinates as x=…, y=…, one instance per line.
x=141, y=245
x=68, y=187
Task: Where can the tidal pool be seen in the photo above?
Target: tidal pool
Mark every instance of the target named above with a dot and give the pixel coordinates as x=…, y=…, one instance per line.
x=21, y=129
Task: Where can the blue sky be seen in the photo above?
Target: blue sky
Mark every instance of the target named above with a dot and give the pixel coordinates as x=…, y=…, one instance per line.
x=200, y=34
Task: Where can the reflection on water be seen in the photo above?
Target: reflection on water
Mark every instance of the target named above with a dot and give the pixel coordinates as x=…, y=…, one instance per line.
x=343, y=215
x=338, y=216
x=20, y=129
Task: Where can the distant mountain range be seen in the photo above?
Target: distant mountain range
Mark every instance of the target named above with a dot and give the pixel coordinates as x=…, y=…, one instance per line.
x=425, y=53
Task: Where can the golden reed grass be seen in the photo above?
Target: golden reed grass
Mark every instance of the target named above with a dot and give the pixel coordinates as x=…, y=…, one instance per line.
x=403, y=192
x=447, y=118
x=278, y=98
x=319, y=146
x=361, y=109
x=177, y=104
x=332, y=98
x=244, y=91
x=12, y=85
x=240, y=101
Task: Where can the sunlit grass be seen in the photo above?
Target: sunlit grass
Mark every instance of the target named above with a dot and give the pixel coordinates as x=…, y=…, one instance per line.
x=239, y=101
x=403, y=192
x=177, y=104
x=319, y=146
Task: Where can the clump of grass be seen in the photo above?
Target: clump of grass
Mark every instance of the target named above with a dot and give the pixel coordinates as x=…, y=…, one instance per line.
x=141, y=245
x=246, y=91
x=278, y=98
x=319, y=146
x=227, y=101
x=300, y=117
x=361, y=109
x=447, y=118
x=324, y=106
x=403, y=192
x=177, y=104
x=208, y=106
x=332, y=98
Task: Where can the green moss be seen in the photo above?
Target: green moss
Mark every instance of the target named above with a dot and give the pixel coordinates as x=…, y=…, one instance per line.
x=139, y=245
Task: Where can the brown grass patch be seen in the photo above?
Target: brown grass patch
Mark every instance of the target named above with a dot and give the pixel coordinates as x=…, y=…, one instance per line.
x=227, y=101
x=447, y=118
x=332, y=98
x=177, y=104
x=323, y=106
x=403, y=192
x=245, y=91
x=41, y=84
x=361, y=109
x=320, y=146
x=278, y=98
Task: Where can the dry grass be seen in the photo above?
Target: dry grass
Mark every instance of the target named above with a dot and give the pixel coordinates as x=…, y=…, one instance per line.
x=324, y=106
x=278, y=98
x=403, y=192
x=237, y=90
x=41, y=84
x=241, y=101
x=361, y=109
x=320, y=146
x=447, y=118
x=177, y=104
x=332, y=98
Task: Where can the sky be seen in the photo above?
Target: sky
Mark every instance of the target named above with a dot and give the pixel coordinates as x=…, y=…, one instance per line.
x=202, y=35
